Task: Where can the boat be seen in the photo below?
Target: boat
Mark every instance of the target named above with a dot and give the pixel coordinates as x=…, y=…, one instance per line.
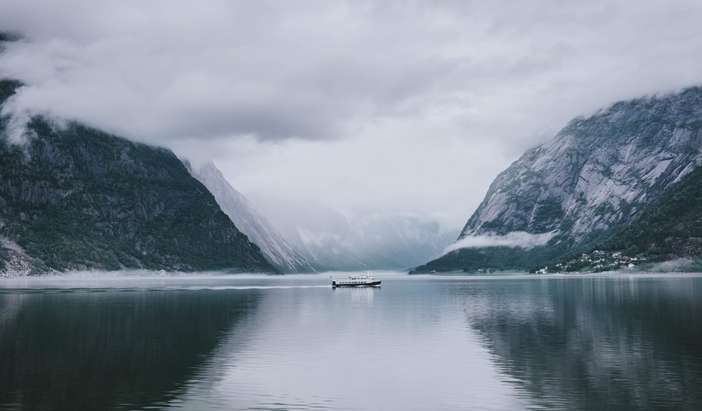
x=361, y=280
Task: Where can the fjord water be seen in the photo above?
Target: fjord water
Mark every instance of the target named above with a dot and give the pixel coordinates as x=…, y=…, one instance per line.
x=245, y=342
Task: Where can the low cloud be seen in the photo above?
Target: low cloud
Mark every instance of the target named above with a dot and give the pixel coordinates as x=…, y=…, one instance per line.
x=515, y=239
x=677, y=265
x=17, y=120
x=395, y=105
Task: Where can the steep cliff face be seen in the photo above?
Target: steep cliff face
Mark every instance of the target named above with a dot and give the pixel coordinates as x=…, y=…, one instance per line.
x=72, y=197
x=597, y=173
x=669, y=228
x=247, y=219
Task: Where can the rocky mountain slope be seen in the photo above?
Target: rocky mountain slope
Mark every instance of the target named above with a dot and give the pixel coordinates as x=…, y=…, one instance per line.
x=247, y=219
x=597, y=174
x=668, y=229
x=72, y=198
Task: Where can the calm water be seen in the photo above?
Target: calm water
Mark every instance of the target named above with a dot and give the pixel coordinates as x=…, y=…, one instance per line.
x=607, y=342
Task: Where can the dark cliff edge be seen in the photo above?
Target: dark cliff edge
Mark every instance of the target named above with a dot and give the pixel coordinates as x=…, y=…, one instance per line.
x=76, y=198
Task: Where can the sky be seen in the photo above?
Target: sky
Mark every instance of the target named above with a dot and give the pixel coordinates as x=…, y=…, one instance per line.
x=393, y=106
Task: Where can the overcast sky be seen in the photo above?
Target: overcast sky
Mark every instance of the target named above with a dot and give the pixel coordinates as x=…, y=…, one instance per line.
x=409, y=106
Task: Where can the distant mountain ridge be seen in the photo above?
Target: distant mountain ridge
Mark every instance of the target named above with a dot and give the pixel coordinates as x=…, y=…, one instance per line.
x=247, y=219
x=595, y=175
x=358, y=239
x=75, y=198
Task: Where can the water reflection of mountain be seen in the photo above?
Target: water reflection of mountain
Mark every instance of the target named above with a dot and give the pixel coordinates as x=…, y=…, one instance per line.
x=111, y=350
x=595, y=343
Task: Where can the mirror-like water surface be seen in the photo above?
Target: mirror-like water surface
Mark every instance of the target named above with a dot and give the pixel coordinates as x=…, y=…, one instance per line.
x=248, y=342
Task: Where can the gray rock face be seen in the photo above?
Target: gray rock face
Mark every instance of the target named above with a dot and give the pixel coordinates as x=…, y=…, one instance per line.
x=665, y=236
x=72, y=197
x=595, y=174
x=247, y=219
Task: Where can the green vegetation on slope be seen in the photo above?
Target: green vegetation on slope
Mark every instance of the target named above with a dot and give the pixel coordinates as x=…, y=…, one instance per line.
x=73, y=197
x=669, y=228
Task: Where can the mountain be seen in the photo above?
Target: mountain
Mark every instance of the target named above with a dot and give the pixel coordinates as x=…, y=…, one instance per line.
x=73, y=198
x=668, y=229
x=360, y=239
x=324, y=235
x=569, y=194
x=247, y=219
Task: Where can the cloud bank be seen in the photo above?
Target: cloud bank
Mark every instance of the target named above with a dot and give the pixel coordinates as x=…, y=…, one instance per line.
x=515, y=239
x=395, y=105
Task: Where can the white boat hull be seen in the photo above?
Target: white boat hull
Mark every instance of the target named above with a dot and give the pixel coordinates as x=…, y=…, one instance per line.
x=374, y=283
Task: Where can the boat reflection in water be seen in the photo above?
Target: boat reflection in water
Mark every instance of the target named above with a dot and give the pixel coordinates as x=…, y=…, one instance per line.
x=362, y=280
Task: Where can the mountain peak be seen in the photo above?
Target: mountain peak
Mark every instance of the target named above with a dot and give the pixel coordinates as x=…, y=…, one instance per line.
x=597, y=173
